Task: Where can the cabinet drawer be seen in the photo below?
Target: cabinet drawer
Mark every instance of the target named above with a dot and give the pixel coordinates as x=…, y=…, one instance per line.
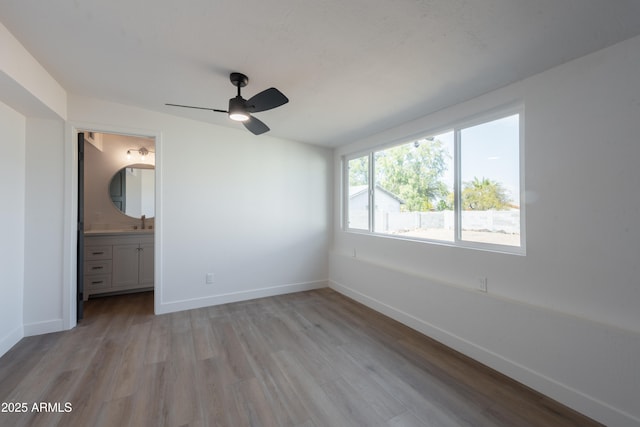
x=97, y=252
x=97, y=282
x=102, y=266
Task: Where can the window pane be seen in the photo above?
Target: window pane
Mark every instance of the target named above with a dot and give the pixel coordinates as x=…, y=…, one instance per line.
x=490, y=188
x=358, y=204
x=414, y=189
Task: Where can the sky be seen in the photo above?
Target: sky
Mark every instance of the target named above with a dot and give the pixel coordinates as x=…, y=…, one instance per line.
x=489, y=150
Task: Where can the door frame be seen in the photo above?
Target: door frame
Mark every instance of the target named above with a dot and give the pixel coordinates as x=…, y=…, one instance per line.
x=70, y=241
x=80, y=231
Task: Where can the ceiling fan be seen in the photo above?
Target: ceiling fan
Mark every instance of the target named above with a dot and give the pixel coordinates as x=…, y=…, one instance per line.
x=240, y=109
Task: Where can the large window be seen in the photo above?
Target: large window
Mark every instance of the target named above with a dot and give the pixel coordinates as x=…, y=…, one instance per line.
x=461, y=186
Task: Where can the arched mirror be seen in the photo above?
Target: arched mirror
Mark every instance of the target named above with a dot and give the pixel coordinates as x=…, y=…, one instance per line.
x=132, y=190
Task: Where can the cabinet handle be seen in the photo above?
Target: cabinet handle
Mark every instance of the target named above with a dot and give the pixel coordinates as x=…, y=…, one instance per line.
x=97, y=267
x=97, y=282
x=97, y=253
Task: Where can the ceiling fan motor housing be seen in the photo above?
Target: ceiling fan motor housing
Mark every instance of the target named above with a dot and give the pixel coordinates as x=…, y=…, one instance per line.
x=238, y=109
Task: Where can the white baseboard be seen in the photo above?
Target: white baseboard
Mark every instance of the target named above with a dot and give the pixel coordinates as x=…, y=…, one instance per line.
x=571, y=397
x=11, y=339
x=45, y=327
x=170, y=307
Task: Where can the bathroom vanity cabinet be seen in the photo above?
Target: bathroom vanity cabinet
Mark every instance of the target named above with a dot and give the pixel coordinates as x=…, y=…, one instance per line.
x=118, y=262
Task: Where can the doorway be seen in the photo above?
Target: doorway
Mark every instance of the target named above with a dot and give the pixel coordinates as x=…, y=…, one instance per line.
x=116, y=215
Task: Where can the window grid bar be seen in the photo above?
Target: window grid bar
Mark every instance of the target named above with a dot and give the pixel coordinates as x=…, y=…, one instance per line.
x=372, y=198
x=457, y=186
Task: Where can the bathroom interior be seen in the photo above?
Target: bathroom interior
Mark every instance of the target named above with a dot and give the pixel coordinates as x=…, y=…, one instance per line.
x=119, y=214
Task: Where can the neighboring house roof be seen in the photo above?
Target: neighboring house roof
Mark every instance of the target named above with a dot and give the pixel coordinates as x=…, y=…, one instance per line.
x=356, y=190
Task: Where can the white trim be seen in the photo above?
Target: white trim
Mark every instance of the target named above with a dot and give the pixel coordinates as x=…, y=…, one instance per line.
x=344, y=209
x=523, y=184
x=372, y=192
x=44, y=327
x=11, y=339
x=208, y=301
x=344, y=195
x=462, y=244
x=457, y=188
x=69, y=283
x=490, y=115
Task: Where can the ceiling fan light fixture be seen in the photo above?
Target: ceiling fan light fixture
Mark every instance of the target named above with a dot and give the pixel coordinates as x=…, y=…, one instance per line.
x=239, y=117
x=240, y=109
x=237, y=110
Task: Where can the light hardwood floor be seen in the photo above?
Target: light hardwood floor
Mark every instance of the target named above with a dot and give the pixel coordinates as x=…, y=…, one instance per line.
x=308, y=359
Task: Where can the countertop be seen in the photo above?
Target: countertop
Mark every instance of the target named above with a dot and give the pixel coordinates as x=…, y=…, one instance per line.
x=118, y=231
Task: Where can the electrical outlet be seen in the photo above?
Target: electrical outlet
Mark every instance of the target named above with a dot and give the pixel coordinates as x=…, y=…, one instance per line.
x=209, y=279
x=482, y=284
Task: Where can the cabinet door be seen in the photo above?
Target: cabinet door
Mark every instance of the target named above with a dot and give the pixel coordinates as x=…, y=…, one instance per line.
x=125, y=265
x=96, y=283
x=146, y=264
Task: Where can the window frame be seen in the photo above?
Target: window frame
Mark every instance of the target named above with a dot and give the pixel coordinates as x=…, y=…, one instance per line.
x=457, y=128
x=345, y=191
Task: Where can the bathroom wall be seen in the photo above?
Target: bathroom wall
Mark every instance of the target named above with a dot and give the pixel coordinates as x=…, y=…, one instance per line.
x=100, y=166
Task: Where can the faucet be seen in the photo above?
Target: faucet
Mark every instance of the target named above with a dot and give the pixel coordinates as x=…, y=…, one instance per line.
x=143, y=221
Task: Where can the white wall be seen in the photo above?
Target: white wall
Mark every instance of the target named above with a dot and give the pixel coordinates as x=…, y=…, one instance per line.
x=31, y=163
x=252, y=210
x=44, y=221
x=25, y=84
x=563, y=319
x=12, y=202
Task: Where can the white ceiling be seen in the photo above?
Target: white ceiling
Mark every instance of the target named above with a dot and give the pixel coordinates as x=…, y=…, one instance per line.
x=349, y=67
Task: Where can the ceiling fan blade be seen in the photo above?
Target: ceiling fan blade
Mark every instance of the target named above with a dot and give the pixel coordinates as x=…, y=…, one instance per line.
x=198, y=108
x=266, y=100
x=255, y=126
